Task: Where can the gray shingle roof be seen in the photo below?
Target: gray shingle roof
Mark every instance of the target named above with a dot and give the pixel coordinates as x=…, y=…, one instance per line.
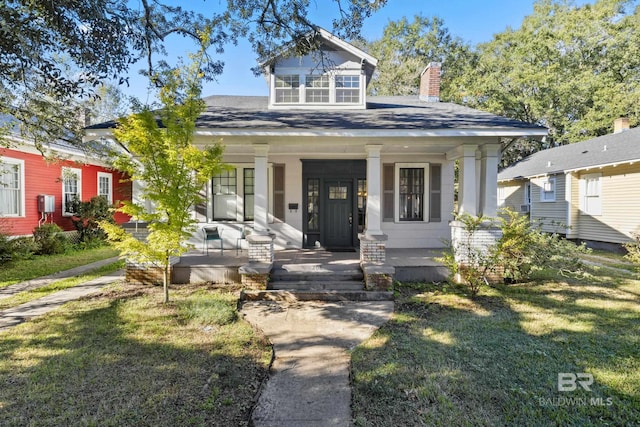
x=382, y=113
x=604, y=150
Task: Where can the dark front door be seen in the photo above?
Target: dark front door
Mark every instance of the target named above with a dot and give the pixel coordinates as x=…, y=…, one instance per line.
x=338, y=213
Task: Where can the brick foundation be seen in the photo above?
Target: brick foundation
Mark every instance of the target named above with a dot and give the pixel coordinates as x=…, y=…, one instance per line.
x=373, y=249
x=260, y=248
x=256, y=282
x=481, y=239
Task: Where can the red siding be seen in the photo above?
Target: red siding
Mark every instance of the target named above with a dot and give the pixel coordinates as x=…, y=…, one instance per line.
x=42, y=177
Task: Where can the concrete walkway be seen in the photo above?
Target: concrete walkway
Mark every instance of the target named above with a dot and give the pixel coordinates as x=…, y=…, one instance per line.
x=29, y=285
x=21, y=313
x=309, y=381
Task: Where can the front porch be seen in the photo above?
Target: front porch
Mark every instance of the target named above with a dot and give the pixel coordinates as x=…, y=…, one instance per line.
x=411, y=265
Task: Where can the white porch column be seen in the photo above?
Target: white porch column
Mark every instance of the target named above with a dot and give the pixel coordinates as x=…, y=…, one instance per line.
x=374, y=191
x=489, y=165
x=467, y=197
x=261, y=189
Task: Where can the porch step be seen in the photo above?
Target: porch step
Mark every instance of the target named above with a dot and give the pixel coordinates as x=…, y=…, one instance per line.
x=317, y=285
x=291, y=296
x=281, y=275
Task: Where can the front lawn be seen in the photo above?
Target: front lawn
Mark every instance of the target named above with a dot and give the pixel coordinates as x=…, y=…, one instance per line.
x=446, y=359
x=43, y=265
x=122, y=358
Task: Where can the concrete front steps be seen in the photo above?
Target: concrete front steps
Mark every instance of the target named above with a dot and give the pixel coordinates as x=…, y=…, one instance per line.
x=314, y=282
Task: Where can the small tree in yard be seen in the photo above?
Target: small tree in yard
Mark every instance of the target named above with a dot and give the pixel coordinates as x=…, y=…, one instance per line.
x=162, y=155
x=469, y=261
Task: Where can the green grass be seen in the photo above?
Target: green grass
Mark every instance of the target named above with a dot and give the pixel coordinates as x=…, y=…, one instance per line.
x=43, y=265
x=122, y=358
x=446, y=359
x=26, y=296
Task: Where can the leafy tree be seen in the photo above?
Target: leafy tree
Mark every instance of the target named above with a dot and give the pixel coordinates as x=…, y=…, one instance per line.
x=54, y=52
x=160, y=153
x=407, y=47
x=572, y=69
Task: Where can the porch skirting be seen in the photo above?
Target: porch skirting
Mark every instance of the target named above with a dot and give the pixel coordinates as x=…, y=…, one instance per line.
x=468, y=244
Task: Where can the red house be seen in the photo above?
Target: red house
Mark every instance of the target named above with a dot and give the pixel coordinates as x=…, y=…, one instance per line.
x=35, y=190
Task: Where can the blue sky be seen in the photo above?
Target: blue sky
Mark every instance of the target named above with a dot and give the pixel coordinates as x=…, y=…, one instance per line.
x=474, y=21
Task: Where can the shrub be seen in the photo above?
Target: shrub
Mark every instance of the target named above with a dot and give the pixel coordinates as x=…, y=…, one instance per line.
x=472, y=264
x=633, y=251
x=86, y=218
x=49, y=239
x=23, y=248
x=524, y=248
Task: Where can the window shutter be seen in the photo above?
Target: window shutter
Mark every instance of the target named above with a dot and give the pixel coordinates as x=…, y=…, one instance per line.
x=388, y=173
x=435, y=191
x=278, y=192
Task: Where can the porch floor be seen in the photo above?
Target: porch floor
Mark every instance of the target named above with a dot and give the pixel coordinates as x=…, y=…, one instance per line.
x=411, y=264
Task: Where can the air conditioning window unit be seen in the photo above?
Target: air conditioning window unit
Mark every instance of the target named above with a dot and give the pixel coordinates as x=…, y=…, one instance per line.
x=524, y=208
x=46, y=204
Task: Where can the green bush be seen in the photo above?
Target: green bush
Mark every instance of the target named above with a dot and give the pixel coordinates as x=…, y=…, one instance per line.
x=23, y=248
x=524, y=248
x=86, y=220
x=49, y=239
x=633, y=251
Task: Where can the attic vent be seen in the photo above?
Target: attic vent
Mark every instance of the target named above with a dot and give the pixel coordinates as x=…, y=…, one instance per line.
x=549, y=164
x=604, y=148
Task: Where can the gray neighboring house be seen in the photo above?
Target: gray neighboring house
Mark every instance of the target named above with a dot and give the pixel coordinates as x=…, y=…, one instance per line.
x=318, y=162
x=589, y=191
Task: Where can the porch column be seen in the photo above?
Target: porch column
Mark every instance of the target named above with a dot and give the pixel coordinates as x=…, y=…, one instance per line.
x=467, y=198
x=489, y=166
x=261, y=196
x=374, y=191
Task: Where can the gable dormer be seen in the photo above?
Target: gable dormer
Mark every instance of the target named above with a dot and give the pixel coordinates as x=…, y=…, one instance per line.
x=335, y=76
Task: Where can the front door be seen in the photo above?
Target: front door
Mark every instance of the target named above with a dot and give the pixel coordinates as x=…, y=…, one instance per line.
x=338, y=213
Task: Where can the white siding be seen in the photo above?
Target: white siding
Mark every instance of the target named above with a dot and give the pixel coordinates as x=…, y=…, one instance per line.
x=551, y=215
x=620, y=206
x=513, y=193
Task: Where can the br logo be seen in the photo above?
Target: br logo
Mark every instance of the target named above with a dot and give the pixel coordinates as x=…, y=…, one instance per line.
x=568, y=381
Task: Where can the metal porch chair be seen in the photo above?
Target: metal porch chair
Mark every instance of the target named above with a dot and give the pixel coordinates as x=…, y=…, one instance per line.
x=211, y=233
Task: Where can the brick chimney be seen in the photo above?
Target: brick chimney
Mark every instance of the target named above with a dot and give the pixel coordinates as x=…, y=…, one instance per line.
x=430, y=83
x=621, y=124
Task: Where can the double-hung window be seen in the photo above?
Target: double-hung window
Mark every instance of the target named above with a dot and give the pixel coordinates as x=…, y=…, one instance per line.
x=548, y=190
x=591, y=194
x=411, y=183
x=317, y=89
x=105, y=186
x=249, y=193
x=347, y=89
x=287, y=89
x=71, y=189
x=224, y=189
x=11, y=187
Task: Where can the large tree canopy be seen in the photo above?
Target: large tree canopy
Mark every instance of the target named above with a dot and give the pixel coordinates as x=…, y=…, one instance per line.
x=54, y=52
x=407, y=47
x=572, y=69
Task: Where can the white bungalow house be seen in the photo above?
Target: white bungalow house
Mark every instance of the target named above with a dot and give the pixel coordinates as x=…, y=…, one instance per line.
x=318, y=162
x=588, y=191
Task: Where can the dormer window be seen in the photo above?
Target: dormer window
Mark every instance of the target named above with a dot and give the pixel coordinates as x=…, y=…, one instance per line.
x=347, y=89
x=317, y=89
x=287, y=88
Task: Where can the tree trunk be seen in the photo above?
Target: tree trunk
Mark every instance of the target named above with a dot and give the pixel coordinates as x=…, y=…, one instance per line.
x=165, y=280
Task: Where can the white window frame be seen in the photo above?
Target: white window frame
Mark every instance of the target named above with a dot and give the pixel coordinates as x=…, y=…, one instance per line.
x=287, y=89
x=591, y=195
x=350, y=89
x=501, y=195
x=109, y=177
x=548, y=195
x=425, y=192
x=66, y=172
x=239, y=193
x=527, y=193
x=11, y=162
